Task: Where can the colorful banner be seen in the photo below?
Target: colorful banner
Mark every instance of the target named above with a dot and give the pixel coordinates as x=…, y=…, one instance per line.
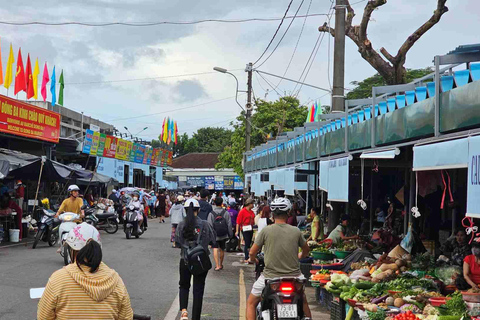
x=196, y=181
x=238, y=183
x=154, y=157
x=121, y=153
x=210, y=183
x=95, y=143
x=139, y=153
x=87, y=142
x=133, y=152
x=26, y=120
x=128, y=150
x=170, y=157
x=110, y=147
x=163, y=157
x=101, y=144
x=146, y=156
x=228, y=183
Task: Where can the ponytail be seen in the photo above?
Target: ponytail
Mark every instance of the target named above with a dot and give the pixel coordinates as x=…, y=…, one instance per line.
x=189, y=230
x=90, y=255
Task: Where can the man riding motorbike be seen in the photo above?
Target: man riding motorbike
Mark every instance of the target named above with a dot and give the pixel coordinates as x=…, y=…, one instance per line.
x=280, y=242
x=72, y=204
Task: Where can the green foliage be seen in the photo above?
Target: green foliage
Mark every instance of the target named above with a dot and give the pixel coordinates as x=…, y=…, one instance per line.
x=269, y=118
x=363, y=88
x=208, y=139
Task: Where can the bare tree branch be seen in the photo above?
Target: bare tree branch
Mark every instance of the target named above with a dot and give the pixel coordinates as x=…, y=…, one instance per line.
x=326, y=28
x=367, y=13
x=387, y=55
x=350, y=15
x=434, y=19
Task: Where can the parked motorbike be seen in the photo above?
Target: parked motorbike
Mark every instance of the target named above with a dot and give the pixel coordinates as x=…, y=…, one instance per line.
x=282, y=298
x=45, y=227
x=68, y=223
x=102, y=220
x=131, y=223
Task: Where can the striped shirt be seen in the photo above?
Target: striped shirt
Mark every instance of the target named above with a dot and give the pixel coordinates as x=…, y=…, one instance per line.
x=75, y=293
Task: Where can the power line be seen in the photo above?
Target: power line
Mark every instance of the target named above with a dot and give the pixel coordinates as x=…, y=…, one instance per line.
x=296, y=45
x=144, y=79
x=152, y=24
x=275, y=34
x=283, y=36
x=271, y=86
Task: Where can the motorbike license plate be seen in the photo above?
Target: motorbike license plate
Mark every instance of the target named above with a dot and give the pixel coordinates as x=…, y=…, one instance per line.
x=287, y=310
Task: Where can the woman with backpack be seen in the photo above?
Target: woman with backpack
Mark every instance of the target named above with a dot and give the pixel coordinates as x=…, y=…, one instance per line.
x=194, y=235
x=220, y=221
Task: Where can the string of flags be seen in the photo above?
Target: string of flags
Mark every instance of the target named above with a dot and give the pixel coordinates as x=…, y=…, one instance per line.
x=169, y=131
x=314, y=112
x=26, y=78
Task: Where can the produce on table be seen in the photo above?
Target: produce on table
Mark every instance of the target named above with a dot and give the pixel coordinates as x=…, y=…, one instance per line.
x=406, y=316
x=398, y=302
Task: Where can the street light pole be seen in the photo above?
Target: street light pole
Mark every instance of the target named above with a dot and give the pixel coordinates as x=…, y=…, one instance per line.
x=248, y=114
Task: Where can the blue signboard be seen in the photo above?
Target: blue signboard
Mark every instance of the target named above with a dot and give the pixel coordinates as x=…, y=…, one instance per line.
x=196, y=181
x=210, y=183
x=88, y=141
x=237, y=183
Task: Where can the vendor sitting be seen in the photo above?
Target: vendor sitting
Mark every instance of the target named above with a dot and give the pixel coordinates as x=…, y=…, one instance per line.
x=471, y=269
x=456, y=248
x=338, y=233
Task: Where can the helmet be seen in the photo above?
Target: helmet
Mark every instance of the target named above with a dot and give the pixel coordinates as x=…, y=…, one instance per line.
x=73, y=187
x=282, y=204
x=114, y=191
x=191, y=200
x=79, y=236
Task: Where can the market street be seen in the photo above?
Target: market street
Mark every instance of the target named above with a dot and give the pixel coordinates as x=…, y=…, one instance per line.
x=148, y=266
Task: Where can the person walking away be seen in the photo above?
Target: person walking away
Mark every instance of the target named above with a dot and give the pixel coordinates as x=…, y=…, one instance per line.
x=317, y=225
x=177, y=214
x=113, y=196
x=160, y=206
x=194, y=235
x=338, y=233
x=86, y=288
x=245, y=221
x=233, y=210
x=205, y=207
x=263, y=219
x=19, y=193
x=219, y=220
x=151, y=203
x=72, y=204
x=292, y=216
x=280, y=243
x=6, y=207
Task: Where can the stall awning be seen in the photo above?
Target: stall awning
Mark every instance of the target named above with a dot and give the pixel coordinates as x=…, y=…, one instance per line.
x=323, y=176
x=338, y=172
x=451, y=154
x=385, y=154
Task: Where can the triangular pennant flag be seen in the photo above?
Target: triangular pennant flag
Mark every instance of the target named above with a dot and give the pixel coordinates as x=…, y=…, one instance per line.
x=52, y=87
x=45, y=80
x=36, y=72
x=309, y=115
x=30, y=91
x=163, y=129
x=176, y=132
x=9, y=71
x=20, y=81
x=62, y=85
x=1, y=68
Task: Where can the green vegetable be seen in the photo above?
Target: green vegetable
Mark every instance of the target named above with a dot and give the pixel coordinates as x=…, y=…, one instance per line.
x=455, y=306
x=364, y=285
x=449, y=317
x=379, y=315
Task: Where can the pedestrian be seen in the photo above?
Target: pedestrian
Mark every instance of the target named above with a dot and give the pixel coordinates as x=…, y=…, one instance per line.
x=151, y=203
x=245, y=221
x=177, y=214
x=6, y=207
x=317, y=227
x=205, y=207
x=160, y=206
x=220, y=221
x=86, y=288
x=233, y=210
x=264, y=218
x=19, y=193
x=193, y=234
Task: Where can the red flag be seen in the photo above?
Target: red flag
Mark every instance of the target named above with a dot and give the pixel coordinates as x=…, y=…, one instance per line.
x=20, y=81
x=312, y=114
x=30, y=89
x=45, y=80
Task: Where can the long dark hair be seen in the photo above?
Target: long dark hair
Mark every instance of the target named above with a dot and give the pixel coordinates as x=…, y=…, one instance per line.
x=90, y=255
x=189, y=229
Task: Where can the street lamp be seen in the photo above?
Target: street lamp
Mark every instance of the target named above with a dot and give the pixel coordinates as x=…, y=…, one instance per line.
x=223, y=70
x=128, y=131
x=142, y=130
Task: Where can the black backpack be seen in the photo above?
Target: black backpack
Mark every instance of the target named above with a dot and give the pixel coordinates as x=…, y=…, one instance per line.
x=197, y=258
x=220, y=224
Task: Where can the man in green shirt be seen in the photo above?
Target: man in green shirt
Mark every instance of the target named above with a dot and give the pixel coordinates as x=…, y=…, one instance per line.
x=280, y=243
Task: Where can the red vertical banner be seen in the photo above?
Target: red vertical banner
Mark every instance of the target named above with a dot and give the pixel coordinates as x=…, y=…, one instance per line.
x=110, y=147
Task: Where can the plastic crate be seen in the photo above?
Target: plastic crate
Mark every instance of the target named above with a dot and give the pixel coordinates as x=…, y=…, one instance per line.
x=337, y=311
x=305, y=268
x=324, y=298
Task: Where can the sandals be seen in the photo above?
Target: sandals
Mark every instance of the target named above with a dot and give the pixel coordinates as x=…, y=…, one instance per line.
x=184, y=315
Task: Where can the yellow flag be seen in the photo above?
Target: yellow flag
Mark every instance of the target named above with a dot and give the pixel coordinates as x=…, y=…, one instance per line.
x=1, y=69
x=8, y=73
x=36, y=71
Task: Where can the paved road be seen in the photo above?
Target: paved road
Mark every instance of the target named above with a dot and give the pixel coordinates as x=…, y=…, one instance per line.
x=148, y=266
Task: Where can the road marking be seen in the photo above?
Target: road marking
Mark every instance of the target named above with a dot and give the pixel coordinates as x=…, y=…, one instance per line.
x=174, y=308
x=243, y=299
x=16, y=245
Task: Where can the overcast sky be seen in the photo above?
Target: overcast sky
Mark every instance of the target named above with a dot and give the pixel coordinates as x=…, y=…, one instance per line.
x=92, y=54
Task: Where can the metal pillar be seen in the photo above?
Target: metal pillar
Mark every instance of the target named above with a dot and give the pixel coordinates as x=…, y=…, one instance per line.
x=339, y=58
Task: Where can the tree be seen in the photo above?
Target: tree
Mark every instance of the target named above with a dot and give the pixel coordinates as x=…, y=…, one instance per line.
x=363, y=88
x=208, y=139
x=269, y=118
x=391, y=68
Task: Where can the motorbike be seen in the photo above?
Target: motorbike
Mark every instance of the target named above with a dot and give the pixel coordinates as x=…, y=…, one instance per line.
x=102, y=220
x=45, y=228
x=130, y=226
x=282, y=298
x=68, y=223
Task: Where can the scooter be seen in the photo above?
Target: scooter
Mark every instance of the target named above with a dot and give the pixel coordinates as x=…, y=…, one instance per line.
x=68, y=223
x=131, y=222
x=101, y=220
x=282, y=298
x=45, y=228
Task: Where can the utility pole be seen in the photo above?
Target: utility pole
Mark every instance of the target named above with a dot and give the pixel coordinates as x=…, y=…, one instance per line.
x=339, y=58
x=248, y=128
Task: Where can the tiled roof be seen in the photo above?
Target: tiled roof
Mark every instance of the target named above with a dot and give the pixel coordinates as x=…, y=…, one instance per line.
x=196, y=161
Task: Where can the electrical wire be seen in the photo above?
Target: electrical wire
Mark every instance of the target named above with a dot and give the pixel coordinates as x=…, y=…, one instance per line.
x=283, y=36
x=144, y=79
x=269, y=84
x=308, y=61
x=275, y=34
x=296, y=45
x=151, y=24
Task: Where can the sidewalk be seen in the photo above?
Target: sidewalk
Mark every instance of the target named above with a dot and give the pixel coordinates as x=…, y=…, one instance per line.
x=317, y=312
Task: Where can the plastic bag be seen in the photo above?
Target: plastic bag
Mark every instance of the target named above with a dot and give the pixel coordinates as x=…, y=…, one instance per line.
x=407, y=242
